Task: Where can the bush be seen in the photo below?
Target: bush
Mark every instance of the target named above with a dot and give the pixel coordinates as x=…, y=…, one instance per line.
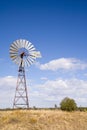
x=68, y=104
x=82, y=109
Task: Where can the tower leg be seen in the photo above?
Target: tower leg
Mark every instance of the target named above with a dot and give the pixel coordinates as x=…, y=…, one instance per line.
x=21, y=96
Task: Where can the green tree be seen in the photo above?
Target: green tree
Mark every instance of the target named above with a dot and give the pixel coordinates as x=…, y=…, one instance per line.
x=68, y=104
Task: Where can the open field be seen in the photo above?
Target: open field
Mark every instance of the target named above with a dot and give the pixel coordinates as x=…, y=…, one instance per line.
x=42, y=120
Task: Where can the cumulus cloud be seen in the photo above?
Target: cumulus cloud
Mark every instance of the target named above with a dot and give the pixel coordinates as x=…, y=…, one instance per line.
x=44, y=78
x=7, y=82
x=63, y=63
x=47, y=93
x=7, y=89
x=56, y=90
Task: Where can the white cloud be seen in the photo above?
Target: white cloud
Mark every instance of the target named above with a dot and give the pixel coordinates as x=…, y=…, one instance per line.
x=7, y=91
x=7, y=82
x=63, y=63
x=44, y=78
x=56, y=90
x=45, y=94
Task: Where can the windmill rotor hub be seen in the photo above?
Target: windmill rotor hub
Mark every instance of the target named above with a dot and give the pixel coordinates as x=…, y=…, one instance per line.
x=23, y=51
x=22, y=55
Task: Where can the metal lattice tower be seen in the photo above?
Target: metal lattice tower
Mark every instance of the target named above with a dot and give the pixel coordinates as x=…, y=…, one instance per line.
x=21, y=96
x=23, y=53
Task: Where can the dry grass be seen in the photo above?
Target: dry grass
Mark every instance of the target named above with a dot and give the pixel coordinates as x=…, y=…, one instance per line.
x=42, y=120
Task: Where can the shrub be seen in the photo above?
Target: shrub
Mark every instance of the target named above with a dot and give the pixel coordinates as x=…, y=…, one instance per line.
x=82, y=108
x=68, y=104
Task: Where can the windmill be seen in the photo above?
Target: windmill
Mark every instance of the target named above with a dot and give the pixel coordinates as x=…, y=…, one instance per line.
x=23, y=53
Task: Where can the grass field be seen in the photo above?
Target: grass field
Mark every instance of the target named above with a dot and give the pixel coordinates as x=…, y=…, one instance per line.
x=42, y=120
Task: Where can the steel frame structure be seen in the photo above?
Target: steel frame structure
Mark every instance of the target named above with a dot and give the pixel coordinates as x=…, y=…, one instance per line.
x=21, y=96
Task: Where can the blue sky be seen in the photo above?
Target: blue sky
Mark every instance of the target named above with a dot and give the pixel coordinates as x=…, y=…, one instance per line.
x=58, y=30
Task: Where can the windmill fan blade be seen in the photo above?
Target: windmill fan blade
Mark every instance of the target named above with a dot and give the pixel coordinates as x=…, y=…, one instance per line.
x=29, y=44
x=31, y=47
x=22, y=43
x=14, y=47
x=13, y=53
x=27, y=62
x=17, y=45
x=11, y=50
x=13, y=56
x=26, y=44
x=23, y=50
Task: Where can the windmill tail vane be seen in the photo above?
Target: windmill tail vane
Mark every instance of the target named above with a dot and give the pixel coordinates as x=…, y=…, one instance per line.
x=36, y=54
